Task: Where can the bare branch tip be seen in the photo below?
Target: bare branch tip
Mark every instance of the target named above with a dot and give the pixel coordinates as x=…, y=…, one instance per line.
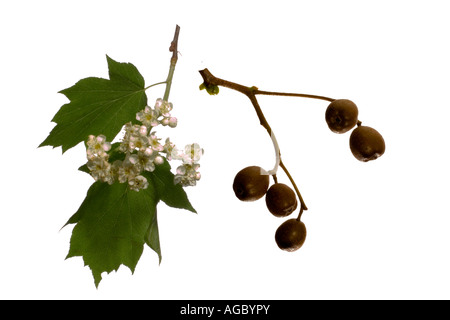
x=174, y=43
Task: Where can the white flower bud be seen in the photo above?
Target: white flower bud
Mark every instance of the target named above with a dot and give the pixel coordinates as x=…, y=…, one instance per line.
x=165, y=121
x=159, y=160
x=173, y=122
x=148, y=152
x=143, y=130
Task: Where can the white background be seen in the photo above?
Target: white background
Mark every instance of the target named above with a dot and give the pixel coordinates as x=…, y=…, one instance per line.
x=377, y=230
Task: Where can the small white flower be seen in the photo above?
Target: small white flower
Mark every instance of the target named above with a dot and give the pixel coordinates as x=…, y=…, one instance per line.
x=170, y=150
x=131, y=132
x=139, y=142
x=146, y=160
x=154, y=142
x=163, y=107
x=97, y=146
x=132, y=158
x=115, y=170
x=187, y=175
x=149, y=166
x=148, y=117
x=192, y=153
x=138, y=183
x=129, y=170
x=100, y=169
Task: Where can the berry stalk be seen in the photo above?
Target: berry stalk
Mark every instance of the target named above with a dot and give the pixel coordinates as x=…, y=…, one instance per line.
x=300, y=95
x=210, y=82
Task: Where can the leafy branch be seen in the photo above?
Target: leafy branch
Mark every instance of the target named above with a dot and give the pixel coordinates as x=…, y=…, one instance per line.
x=119, y=214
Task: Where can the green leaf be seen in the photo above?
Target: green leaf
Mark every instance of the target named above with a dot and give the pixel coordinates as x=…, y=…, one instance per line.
x=98, y=106
x=111, y=226
x=172, y=194
x=152, y=237
x=113, y=222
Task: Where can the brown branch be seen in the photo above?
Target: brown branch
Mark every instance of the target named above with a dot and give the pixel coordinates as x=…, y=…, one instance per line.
x=174, y=45
x=173, y=61
x=301, y=95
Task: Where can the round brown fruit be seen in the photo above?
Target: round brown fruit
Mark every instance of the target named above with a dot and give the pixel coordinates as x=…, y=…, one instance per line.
x=290, y=235
x=251, y=183
x=281, y=200
x=341, y=115
x=366, y=143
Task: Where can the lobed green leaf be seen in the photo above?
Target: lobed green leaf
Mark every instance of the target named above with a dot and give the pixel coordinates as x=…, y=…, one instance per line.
x=98, y=106
x=114, y=222
x=111, y=224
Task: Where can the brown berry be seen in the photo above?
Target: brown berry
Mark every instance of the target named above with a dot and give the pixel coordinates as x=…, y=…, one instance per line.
x=281, y=200
x=366, y=143
x=290, y=235
x=341, y=115
x=251, y=183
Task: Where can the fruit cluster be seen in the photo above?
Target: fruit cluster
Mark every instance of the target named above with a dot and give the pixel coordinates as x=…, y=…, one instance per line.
x=366, y=143
x=252, y=183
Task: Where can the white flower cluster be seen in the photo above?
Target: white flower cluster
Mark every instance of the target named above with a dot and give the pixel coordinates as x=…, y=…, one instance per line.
x=143, y=151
